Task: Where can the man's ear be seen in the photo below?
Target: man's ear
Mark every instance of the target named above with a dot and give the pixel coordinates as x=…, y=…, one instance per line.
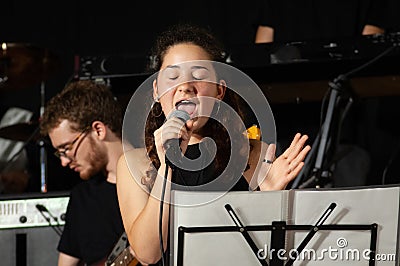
x=100, y=129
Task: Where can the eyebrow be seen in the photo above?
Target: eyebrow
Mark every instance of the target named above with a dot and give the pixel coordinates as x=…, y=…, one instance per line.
x=62, y=145
x=192, y=67
x=199, y=67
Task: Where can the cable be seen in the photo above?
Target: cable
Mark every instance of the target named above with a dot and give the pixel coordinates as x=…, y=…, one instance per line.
x=369, y=62
x=160, y=227
x=42, y=209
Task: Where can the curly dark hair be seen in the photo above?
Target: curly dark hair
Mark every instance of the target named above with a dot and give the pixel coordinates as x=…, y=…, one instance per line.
x=82, y=102
x=186, y=33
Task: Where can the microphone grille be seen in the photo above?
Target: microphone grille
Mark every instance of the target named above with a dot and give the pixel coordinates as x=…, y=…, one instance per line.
x=182, y=115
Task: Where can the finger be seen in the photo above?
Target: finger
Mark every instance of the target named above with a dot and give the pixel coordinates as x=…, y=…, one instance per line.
x=189, y=125
x=175, y=123
x=297, y=148
x=302, y=154
x=296, y=171
x=173, y=129
x=296, y=138
x=300, y=157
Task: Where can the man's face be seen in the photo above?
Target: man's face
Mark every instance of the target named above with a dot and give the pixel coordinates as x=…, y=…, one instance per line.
x=80, y=150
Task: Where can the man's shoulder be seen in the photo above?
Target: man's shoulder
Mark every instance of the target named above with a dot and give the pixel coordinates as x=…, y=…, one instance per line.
x=85, y=185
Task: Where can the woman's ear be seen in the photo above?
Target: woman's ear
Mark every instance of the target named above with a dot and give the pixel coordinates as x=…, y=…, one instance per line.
x=155, y=91
x=221, y=89
x=100, y=129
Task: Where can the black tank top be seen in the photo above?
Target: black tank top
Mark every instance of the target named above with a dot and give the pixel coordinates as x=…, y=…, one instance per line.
x=189, y=179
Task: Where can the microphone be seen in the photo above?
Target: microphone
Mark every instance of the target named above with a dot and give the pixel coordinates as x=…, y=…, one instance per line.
x=172, y=146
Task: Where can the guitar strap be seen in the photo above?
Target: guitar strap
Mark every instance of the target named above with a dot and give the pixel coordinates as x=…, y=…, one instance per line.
x=121, y=244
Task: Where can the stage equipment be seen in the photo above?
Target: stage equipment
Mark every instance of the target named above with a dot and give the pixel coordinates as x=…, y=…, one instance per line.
x=300, y=78
x=21, y=132
x=325, y=145
x=24, y=65
x=30, y=228
x=279, y=228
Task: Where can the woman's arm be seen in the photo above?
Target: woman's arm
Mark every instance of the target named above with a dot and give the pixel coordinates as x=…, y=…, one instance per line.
x=139, y=208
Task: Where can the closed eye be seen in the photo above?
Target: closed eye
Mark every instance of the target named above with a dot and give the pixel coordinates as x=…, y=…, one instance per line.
x=200, y=73
x=171, y=73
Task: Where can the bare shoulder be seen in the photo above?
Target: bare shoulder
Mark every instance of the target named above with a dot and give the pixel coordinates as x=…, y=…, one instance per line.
x=136, y=160
x=136, y=154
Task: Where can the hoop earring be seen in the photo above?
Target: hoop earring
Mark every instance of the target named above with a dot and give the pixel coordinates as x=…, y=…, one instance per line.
x=153, y=106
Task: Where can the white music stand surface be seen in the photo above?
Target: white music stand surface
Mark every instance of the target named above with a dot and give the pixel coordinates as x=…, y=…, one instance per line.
x=364, y=219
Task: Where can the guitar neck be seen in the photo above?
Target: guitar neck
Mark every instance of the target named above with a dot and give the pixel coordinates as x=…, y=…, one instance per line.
x=126, y=258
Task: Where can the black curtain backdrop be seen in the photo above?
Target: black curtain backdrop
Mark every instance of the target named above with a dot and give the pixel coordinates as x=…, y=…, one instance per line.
x=80, y=28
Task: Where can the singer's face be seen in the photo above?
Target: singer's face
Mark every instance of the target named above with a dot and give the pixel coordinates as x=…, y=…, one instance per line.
x=84, y=156
x=187, y=81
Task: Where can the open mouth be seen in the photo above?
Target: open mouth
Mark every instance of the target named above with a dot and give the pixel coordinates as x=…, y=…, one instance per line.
x=186, y=106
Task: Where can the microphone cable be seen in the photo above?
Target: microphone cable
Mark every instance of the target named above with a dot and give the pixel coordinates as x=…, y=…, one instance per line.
x=42, y=209
x=160, y=225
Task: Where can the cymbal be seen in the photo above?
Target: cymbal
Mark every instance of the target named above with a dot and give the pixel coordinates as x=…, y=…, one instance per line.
x=21, y=132
x=25, y=65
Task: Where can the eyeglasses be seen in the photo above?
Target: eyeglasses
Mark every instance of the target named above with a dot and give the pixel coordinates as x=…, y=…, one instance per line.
x=67, y=147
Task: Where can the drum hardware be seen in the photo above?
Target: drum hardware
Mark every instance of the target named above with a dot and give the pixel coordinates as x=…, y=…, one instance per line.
x=21, y=132
x=23, y=65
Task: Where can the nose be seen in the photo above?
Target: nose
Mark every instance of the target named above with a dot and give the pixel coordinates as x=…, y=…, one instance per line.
x=65, y=161
x=187, y=88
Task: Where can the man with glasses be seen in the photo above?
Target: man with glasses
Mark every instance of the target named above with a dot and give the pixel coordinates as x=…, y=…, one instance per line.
x=84, y=123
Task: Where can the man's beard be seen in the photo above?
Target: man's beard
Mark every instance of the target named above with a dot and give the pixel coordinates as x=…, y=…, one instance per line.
x=96, y=162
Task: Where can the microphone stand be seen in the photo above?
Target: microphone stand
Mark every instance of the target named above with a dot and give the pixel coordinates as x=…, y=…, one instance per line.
x=43, y=153
x=320, y=177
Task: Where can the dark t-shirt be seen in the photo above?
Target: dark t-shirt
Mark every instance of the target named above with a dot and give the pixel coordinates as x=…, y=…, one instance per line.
x=294, y=20
x=93, y=221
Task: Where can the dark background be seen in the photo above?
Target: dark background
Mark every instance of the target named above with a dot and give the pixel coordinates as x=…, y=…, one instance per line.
x=71, y=29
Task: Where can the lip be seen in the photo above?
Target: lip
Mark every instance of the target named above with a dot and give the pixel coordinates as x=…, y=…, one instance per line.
x=188, y=100
x=192, y=100
x=74, y=168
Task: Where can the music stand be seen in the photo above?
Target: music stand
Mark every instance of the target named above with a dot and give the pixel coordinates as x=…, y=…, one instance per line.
x=208, y=234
